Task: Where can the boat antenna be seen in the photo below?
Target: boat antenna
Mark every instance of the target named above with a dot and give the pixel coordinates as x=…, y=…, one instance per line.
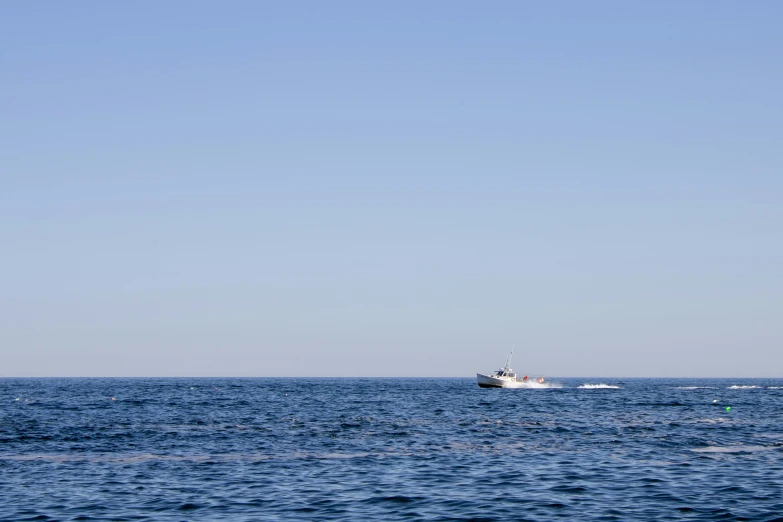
x=508, y=363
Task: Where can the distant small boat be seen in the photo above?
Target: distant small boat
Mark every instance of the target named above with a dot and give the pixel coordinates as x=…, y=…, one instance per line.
x=507, y=378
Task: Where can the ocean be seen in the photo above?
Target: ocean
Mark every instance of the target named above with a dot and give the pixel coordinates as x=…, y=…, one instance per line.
x=390, y=449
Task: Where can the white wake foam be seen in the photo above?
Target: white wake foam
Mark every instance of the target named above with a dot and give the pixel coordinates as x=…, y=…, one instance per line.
x=600, y=386
x=694, y=387
x=741, y=387
x=534, y=385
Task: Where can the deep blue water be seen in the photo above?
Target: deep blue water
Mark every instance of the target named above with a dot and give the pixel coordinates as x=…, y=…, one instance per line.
x=418, y=449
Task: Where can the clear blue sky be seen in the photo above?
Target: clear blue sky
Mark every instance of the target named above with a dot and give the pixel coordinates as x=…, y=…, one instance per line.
x=397, y=188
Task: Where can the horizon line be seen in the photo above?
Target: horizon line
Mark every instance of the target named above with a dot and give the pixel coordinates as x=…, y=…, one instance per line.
x=351, y=377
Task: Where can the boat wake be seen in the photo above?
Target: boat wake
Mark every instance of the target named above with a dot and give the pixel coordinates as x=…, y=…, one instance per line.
x=533, y=385
x=600, y=386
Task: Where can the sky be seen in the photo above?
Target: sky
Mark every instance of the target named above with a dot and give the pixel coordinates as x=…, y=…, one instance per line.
x=391, y=188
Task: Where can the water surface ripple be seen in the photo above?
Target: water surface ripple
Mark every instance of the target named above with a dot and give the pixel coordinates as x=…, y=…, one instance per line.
x=391, y=449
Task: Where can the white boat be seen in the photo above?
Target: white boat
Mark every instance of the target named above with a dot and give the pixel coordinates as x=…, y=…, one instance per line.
x=506, y=378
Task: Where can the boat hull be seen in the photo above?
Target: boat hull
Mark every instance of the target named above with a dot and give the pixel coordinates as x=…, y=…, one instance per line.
x=487, y=381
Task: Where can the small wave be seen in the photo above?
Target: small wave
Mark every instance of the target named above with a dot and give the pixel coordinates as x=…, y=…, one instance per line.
x=732, y=449
x=743, y=387
x=694, y=387
x=774, y=387
x=200, y=458
x=600, y=386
